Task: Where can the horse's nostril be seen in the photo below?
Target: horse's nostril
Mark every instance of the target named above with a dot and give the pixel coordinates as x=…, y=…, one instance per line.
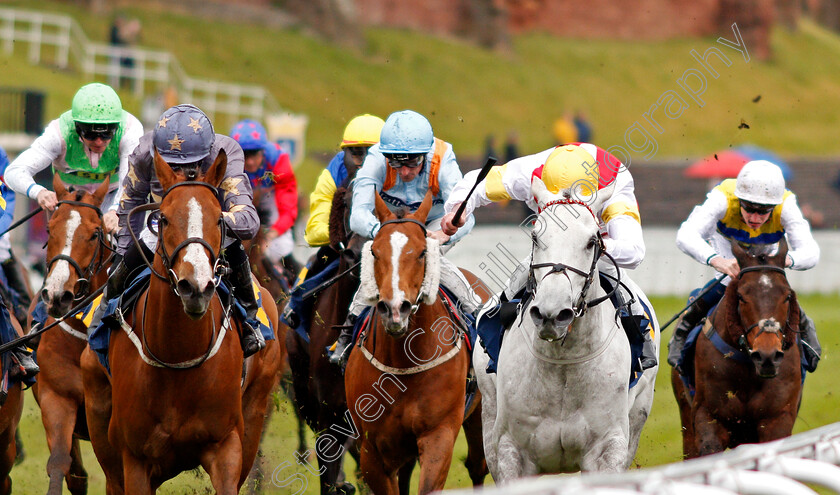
x=536, y=315
x=66, y=297
x=564, y=318
x=185, y=288
x=383, y=308
x=778, y=357
x=405, y=308
x=45, y=296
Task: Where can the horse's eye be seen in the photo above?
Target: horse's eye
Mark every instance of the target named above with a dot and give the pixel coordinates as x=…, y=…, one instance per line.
x=422, y=254
x=163, y=220
x=94, y=236
x=591, y=244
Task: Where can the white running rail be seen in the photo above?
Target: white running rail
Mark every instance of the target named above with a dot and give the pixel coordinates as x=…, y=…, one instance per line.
x=59, y=40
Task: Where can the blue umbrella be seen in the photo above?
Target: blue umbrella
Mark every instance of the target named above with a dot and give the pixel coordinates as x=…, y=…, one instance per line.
x=754, y=152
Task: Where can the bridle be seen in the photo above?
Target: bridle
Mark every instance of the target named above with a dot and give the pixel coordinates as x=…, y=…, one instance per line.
x=416, y=306
x=581, y=305
x=764, y=328
x=82, y=286
x=219, y=266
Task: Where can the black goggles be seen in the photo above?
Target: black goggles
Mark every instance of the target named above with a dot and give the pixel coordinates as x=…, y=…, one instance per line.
x=357, y=150
x=91, y=132
x=404, y=160
x=755, y=208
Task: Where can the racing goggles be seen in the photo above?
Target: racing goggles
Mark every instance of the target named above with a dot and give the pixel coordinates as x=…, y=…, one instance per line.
x=399, y=160
x=755, y=208
x=92, y=132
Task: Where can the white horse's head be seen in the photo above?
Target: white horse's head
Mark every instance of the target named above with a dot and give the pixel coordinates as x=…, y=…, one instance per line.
x=566, y=247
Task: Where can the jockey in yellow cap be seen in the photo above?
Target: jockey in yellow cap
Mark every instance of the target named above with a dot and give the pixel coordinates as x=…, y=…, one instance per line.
x=585, y=168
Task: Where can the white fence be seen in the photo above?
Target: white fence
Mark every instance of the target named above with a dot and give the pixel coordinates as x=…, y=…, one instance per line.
x=773, y=468
x=59, y=40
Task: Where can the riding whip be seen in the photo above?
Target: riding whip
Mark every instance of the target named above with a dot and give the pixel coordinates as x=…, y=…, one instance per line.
x=702, y=293
x=481, y=175
x=23, y=220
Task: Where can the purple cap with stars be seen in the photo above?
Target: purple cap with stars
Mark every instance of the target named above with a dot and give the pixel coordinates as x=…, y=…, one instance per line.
x=183, y=134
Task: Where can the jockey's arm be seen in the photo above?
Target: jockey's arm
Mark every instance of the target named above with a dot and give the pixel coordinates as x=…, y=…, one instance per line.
x=285, y=195
x=44, y=150
x=369, y=180
x=317, y=231
x=450, y=178
x=700, y=225
x=620, y=214
x=238, y=206
x=136, y=189
x=803, y=250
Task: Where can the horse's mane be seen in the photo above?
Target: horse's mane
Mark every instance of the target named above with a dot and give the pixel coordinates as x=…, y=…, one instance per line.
x=338, y=233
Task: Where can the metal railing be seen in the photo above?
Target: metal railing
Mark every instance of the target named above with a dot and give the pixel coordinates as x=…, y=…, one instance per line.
x=59, y=40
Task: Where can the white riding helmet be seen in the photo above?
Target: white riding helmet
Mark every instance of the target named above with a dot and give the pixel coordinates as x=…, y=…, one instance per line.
x=760, y=182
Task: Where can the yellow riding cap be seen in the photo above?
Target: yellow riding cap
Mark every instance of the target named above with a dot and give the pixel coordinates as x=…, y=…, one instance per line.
x=362, y=130
x=572, y=166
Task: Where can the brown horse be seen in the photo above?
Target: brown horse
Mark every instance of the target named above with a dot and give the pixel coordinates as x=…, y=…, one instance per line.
x=10, y=413
x=406, y=387
x=77, y=255
x=176, y=397
x=752, y=392
x=318, y=385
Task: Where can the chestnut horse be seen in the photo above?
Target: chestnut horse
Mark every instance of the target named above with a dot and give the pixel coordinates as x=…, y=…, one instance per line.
x=752, y=392
x=78, y=258
x=318, y=384
x=177, y=397
x=406, y=383
x=10, y=412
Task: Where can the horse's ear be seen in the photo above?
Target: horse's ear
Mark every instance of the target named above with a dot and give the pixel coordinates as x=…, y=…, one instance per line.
x=423, y=211
x=58, y=187
x=101, y=191
x=600, y=196
x=540, y=192
x=781, y=255
x=164, y=172
x=216, y=173
x=741, y=254
x=380, y=208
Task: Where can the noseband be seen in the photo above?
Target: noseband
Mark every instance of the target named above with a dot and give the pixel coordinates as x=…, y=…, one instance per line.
x=764, y=327
x=84, y=275
x=580, y=305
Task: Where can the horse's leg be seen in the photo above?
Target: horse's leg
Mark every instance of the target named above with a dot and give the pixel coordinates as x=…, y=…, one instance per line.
x=404, y=477
x=435, y=452
x=475, y=462
x=77, y=479
x=608, y=455
x=711, y=436
x=136, y=475
x=98, y=412
x=254, y=404
x=223, y=463
x=10, y=413
x=58, y=414
x=511, y=463
x=487, y=388
x=374, y=475
x=684, y=404
x=777, y=427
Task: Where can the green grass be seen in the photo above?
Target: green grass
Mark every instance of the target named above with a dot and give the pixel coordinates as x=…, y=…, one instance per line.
x=468, y=92
x=660, y=444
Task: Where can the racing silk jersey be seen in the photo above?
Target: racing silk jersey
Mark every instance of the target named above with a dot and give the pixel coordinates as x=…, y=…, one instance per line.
x=76, y=165
x=7, y=196
x=707, y=231
x=275, y=189
x=371, y=179
x=141, y=186
x=317, y=231
x=619, y=214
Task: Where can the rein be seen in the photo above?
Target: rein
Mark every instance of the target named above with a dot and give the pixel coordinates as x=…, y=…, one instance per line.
x=405, y=220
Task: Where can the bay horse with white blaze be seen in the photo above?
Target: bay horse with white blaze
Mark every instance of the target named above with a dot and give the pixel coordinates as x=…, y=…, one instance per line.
x=747, y=362
x=560, y=400
x=77, y=262
x=406, y=383
x=176, y=397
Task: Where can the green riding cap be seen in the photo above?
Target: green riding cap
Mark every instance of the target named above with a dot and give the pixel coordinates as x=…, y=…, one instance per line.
x=96, y=103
